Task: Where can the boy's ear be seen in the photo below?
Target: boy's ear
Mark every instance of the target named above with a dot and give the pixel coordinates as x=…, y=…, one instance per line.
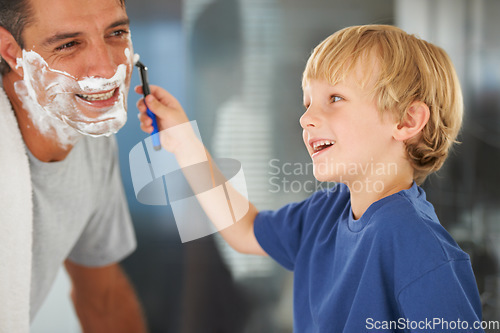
x=10, y=50
x=412, y=124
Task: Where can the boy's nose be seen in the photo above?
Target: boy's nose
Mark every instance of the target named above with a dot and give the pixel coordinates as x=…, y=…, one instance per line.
x=307, y=119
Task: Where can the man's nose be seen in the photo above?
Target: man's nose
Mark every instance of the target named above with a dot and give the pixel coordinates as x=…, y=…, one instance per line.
x=102, y=61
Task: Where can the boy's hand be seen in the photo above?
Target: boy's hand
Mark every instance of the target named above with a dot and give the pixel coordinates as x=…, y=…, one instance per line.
x=169, y=113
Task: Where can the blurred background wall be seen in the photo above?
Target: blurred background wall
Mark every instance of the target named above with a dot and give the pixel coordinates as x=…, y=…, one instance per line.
x=236, y=67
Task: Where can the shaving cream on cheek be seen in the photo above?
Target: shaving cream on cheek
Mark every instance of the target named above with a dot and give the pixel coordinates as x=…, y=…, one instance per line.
x=56, y=100
x=45, y=122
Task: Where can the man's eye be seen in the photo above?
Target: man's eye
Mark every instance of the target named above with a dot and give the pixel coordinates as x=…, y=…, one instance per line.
x=119, y=33
x=66, y=46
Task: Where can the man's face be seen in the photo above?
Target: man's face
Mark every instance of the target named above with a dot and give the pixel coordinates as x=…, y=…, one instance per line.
x=77, y=63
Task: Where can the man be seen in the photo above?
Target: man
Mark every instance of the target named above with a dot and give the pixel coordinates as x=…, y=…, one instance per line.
x=66, y=68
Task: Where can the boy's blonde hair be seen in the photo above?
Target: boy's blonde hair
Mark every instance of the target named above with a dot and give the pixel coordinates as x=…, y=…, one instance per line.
x=409, y=69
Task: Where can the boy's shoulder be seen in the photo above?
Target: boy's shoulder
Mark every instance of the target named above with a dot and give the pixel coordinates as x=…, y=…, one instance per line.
x=409, y=223
x=408, y=237
x=406, y=209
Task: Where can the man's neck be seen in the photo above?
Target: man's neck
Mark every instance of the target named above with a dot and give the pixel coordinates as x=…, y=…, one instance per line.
x=45, y=148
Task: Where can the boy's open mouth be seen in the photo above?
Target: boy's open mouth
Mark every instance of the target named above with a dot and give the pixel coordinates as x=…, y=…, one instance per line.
x=322, y=144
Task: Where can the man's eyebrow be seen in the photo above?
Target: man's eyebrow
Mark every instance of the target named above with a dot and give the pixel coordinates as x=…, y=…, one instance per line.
x=67, y=35
x=59, y=37
x=125, y=21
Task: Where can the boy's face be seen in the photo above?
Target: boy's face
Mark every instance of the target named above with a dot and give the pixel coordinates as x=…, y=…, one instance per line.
x=346, y=136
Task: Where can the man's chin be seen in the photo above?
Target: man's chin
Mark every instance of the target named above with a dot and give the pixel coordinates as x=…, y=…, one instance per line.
x=99, y=128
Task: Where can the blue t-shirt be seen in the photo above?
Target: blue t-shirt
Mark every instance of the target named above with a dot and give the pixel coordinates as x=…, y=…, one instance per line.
x=396, y=269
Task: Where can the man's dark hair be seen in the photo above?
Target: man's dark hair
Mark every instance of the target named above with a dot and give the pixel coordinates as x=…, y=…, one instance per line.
x=14, y=16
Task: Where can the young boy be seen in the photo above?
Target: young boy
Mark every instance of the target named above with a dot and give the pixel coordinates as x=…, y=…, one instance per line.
x=382, y=111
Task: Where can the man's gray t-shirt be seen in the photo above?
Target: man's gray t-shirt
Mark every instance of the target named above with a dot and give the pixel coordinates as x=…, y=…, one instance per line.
x=79, y=213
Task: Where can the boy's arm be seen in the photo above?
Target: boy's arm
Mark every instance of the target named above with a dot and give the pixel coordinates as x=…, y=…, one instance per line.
x=181, y=140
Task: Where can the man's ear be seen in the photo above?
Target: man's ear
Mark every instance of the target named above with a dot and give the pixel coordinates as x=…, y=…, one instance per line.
x=10, y=50
x=412, y=124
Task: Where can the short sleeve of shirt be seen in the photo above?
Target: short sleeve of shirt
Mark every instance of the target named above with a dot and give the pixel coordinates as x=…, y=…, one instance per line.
x=108, y=237
x=280, y=232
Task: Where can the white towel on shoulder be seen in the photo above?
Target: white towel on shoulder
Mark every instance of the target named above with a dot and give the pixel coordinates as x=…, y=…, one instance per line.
x=16, y=224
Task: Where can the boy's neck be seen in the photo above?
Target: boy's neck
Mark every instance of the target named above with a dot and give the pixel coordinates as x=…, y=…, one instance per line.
x=362, y=200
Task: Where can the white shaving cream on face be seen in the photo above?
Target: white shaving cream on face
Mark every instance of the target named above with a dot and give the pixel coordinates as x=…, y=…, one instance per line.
x=63, y=106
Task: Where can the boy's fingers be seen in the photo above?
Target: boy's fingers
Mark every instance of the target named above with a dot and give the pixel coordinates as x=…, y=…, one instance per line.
x=164, y=96
x=145, y=122
x=155, y=105
x=141, y=106
x=147, y=129
x=145, y=119
x=138, y=89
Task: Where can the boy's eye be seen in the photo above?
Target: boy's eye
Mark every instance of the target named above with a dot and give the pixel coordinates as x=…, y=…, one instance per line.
x=334, y=99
